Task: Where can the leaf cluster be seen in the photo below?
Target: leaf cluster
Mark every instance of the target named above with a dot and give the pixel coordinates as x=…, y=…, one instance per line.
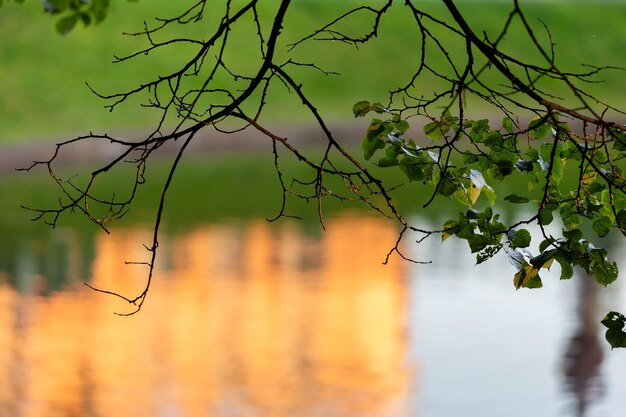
x=463, y=154
x=615, y=334
x=72, y=12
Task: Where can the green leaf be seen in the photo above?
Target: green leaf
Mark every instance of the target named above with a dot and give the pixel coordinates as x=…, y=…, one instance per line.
x=462, y=196
x=465, y=231
x=478, y=243
x=603, y=271
x=614, y=320
x=539, y=128
x=387, y=161
x=448, y=118
x=533, y=180
x=490, y=194
x=379, y=108
x=479, y=130
x=589, y=178
x=616, y=338
x=507, y=123
x=503, y=164
x=99, y=9
x=546, y=217
x=495, y=141
x=393, y=151
x=615, y=335
x=592, y=205
x=545, y=244
x=602, y=226
x=402, y=126
x=567, y=270
x=378, y=129
x=497, y=228
x=449, y=229
x=527, y=277
x=572, y=221
x=361, y=108
x=433, y=130
x=447, y=188
x=573, y=235
x=557, y=171
x=620, y=139
x=517, y=199
x=66, y=24
x=531, y=154
x=411, y=167
x=621, y=219
x=371, y=141
x=521, y=239
x=487, y=253
x=85, y=18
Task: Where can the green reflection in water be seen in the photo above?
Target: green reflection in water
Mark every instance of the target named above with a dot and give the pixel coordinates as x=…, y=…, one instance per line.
x=234, y=188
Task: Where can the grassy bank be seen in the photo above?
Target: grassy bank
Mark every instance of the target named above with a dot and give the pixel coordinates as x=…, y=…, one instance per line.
x=43, y=92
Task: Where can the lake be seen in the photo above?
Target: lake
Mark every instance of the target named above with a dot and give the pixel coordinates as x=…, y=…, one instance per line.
x=248, y=318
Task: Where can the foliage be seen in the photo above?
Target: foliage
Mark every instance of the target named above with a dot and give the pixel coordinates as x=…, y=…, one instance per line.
x=615, y=335
x=75, y=11
x=550, y=131
x=597, y=196
x=71, y=12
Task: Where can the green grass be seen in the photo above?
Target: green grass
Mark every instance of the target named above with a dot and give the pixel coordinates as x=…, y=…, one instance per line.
x=43, y=92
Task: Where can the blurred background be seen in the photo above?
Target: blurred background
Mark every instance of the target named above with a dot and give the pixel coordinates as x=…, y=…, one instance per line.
x=250, y=318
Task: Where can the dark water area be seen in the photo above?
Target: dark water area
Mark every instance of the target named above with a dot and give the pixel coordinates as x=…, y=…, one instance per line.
x=250, y=318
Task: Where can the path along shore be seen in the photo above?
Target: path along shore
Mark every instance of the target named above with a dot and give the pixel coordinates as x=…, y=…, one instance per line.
x=15, y=157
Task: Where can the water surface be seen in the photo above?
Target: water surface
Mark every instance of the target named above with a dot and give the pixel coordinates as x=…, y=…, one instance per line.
x=253, y=319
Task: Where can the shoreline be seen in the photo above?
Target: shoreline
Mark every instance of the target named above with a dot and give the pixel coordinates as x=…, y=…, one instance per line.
x=13, y=159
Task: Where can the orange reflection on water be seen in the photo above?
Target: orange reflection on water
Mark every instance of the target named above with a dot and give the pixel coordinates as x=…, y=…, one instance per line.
x=253, y=320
